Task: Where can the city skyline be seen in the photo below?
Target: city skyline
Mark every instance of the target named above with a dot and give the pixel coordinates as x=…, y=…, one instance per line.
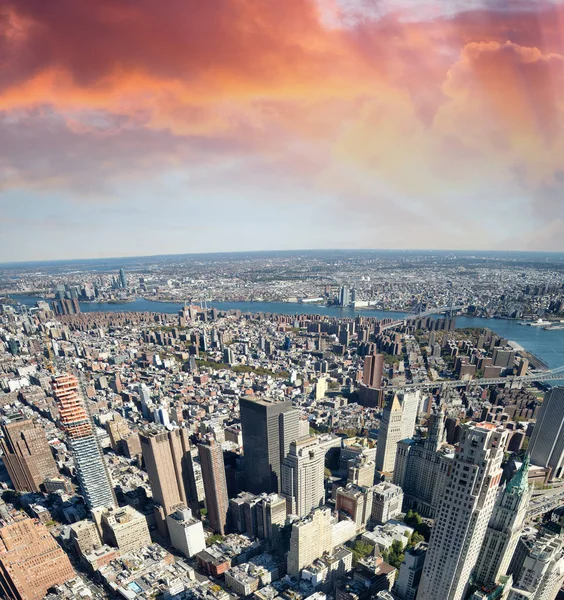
x=322, y=123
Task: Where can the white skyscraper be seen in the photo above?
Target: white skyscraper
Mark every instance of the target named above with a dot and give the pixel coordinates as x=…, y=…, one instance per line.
x=504, y=529
x=463, y=514
x=546, y=447
x=542, y=573
x=398, y=423
x=303, y=473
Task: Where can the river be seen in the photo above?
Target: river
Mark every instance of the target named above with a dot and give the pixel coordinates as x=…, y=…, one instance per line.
x=546, y=345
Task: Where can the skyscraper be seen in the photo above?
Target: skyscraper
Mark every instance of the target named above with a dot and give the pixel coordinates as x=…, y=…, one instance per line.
x=398, y=423
x=91, y=469
x=169, y=465
x=464, y=513
x=31, y=561
x=27, y=455
x=546, y=447
x=373, y=370
x=122, y=279
x=504, y=529
x=215, y=486
x=260, y=422
x=303, y=476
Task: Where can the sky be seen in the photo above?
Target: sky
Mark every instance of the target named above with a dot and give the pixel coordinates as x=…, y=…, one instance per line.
x=142, y=127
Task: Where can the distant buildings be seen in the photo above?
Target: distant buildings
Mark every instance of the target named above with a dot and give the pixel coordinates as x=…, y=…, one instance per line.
x=27, y=455
x=546, y=447
x=463, y=514
x=215, y=486
x=92, y=472
x=31, y=561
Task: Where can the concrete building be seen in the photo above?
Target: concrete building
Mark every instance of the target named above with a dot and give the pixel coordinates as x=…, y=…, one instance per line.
x=504, y=529
x=386, y=502
x=356, y=503
x=27, y=455
x=373, y=370
x=398, y=423
x=411, y=568
x=31, y=561
x=542, y=574
x=186, y=532
x=168, y=463
x=361, y=471
x=85, y=537
x=261, y=424
x=303, y=476
x=311, y=537
x=92, y=471
x=422, y=467
x=464, y=513
x=215, y=486
x=124, y=528
x=546, y=447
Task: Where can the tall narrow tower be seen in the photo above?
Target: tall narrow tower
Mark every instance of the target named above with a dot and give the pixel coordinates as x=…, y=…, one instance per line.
x=463, y=514
x=92, y=472
x=504, y=529
x=215, y=485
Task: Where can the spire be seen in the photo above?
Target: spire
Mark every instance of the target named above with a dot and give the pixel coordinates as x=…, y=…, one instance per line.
x=520, y=481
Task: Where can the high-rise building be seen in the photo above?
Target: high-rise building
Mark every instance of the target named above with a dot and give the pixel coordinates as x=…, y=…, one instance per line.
x=186, y=532
x=464, y=513
x=398, y=423
x=386, y=502
x=124, y=528
x=303, y=476
x=213, y=473
x=27, y=455
x=504, y=529
x=542, y=573
x=373, y=370
x=344, y=296
x=311, y=537
x=260, y=422
x=361, y=471
x=422, y=467
x=85, y=537
x=168, y=462
x=356, y=503
x=122, y=279
x=91, y=469
x=411, y=568
x=289, y=430
x=31, y=561
x=546, y=447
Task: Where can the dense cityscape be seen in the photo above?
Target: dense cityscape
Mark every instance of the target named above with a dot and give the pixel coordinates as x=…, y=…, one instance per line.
x=321, y=425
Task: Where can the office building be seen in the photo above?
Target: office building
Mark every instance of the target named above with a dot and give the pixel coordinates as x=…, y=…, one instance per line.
x=262, y=440
x=91, y=469
x=31, y=561
x=411, y=568
x=186, y=532
x=373, y=370
x=124, y=528
x=386, y=502
x=215, y=486
x=27, y=455
x=344, y=296
x=122, y=279
x=542, y=574
x=168, y=463
x=422, y=467
x=361, y=471
x=546, y=447
x=289, y=430
x=271, y=517
x=355, y=503
x=463, y=514
x=504, y=529
x=303, y=476
x=398, y=423
x=311, y=537
x=85, y=537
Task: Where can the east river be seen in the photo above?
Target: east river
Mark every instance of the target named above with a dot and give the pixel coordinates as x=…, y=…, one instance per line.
x=546, y=345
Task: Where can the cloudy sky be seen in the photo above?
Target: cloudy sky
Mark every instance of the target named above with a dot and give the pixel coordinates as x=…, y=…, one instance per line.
x=135, y=127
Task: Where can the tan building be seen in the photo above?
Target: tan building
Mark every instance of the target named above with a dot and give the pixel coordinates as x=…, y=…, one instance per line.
x=124, y=528
x=215, y=486
x=169, y=465
x=27, y=455
x=31, y=561
x=311, y=537
x=85, y=537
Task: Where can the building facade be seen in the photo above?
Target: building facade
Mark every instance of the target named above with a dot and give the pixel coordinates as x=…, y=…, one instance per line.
x=546, y=447
x=186, y=532
x=215, y=485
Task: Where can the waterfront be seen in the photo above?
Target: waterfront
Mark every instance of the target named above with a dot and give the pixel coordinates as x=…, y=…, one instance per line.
x=546, y=345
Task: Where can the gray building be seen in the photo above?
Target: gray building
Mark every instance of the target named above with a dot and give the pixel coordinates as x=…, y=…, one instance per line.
x=546, y=447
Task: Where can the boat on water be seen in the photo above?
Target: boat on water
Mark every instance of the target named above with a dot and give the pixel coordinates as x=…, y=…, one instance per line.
x=538, y=323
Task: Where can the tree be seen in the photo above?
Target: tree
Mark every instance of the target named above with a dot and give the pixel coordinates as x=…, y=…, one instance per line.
x=214, y=539
x=415, y=539
x=394, y=554
x=360, y=550
x=412, y=519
